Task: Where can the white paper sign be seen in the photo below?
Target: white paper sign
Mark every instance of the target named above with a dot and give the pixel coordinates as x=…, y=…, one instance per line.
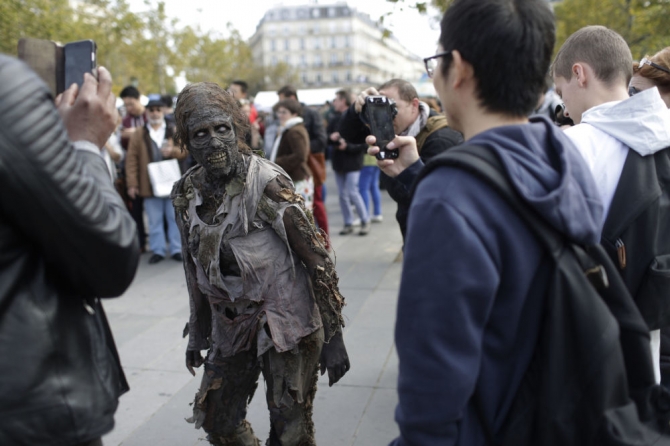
x=163, y=175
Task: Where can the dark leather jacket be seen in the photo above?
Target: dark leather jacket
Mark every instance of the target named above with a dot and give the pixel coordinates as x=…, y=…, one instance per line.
x=66, y=239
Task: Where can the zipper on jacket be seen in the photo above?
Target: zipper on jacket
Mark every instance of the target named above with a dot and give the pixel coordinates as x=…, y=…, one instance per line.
x=89, y=308
x=621, y=253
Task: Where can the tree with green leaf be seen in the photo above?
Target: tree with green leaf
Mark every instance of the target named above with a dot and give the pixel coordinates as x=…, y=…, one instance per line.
x=146, y=48
x=642, y=23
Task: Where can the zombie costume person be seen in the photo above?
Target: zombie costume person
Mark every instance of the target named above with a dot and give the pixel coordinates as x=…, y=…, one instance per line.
x=263, y=292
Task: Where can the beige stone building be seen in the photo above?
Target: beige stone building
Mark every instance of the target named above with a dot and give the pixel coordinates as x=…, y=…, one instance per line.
x=331, y=45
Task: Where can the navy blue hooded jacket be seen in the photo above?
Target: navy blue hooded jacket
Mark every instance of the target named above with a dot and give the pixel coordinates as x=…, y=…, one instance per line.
x=469, y=308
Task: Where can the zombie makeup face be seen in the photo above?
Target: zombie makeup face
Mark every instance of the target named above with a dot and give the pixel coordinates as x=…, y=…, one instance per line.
x=213, y=141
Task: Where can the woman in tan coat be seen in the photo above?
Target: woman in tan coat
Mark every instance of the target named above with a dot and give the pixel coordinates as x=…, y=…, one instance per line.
x=291, y=148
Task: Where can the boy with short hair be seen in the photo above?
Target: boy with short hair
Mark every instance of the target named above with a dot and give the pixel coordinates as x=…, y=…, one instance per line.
x=622, y=140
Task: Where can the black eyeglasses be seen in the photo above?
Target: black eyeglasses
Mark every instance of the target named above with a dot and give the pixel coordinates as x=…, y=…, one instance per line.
x=431, y=62
x=632, y=91
x=646, y=61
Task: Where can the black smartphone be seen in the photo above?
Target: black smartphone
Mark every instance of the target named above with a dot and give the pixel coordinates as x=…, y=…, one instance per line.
x=379, y=113
x=80, y=58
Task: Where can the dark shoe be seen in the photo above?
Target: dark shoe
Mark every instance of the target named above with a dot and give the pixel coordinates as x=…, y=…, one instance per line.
x=177, y=257
x=348, y=229
x=155, y=259
x=365, y=228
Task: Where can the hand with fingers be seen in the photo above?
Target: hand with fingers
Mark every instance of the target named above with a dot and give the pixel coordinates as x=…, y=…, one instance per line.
x=335, y=359
x=89, y=113
x=360, y=99
x=193, y=360
x=408, y=155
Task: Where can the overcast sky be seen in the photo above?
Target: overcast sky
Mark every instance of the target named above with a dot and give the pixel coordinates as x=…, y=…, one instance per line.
x=416, y=32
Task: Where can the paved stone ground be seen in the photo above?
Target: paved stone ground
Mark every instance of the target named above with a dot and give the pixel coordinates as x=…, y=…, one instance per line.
x=148, y=320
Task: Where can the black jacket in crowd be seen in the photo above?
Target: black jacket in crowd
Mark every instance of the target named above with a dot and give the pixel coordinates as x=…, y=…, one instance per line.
x=66, y=239
x=353, y=129
x=349, y=159
x=314, y=125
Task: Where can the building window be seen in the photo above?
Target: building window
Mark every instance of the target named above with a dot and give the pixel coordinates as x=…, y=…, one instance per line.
x=287, y=44
x=304, y=78
x=287, y=59
x=347, y=58
x=318, y=78
x=302, y=29
x=271, y=30
x=273, y=61
x=333, y=58
x=316, y=12
x=287, y=30
x=272, y=45
x=302, y=43
x=348, y=76
x=335, y=77
x=317, y=60
x=332, y=12
x=333, y=42
x=317, y=43
x=333, y=27
x=303, y=61
x=346, y=41
x=316, y=28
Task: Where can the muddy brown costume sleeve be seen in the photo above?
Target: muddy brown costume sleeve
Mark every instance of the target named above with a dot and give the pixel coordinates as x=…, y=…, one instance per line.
x=308, y=245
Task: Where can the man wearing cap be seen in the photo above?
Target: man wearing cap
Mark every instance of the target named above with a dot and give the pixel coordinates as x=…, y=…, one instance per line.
x=152, y=144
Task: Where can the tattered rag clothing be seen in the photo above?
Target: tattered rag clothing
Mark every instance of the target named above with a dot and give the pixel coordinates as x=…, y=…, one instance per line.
x=269, y=285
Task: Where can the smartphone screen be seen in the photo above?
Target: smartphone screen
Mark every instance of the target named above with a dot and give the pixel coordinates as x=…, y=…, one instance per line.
x=80, y=58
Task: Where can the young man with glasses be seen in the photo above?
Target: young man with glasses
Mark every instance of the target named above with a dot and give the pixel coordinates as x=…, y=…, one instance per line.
x=469, y=310
x=622, y=138
x=414, y=118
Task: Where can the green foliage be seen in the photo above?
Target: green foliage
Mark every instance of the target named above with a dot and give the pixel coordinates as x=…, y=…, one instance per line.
x=146, y=49
x=643, y=23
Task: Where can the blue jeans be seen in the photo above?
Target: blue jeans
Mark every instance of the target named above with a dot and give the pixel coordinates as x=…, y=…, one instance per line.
x=157, y=209
x=347, y=183
x=369, y=185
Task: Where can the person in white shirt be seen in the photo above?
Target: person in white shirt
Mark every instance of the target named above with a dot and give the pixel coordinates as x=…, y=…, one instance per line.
x=615, y=133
